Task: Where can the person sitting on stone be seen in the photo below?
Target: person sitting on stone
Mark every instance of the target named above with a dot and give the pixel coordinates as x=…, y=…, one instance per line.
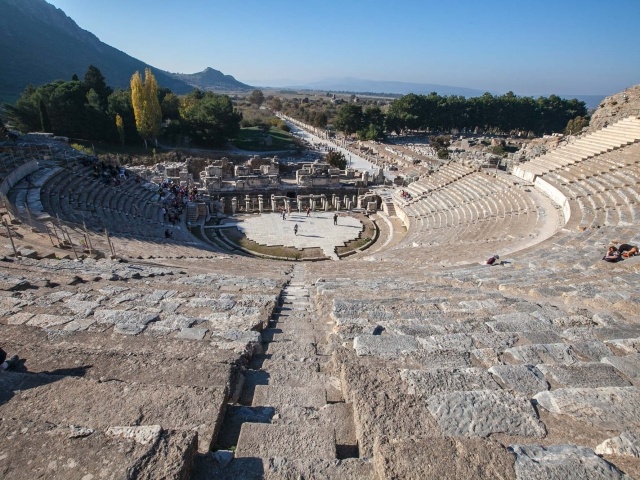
x=613, y=255
x=627, y=250
x=7, y=363
x=492, y=260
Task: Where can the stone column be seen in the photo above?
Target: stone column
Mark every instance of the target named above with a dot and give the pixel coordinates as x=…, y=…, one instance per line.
x=234, y=205
x=247, y=202
x=273, y=203
x=260, y=203
x=333, y=200
x=299, y=202
x=337, y=204
x=313, y=204
x=287, y=205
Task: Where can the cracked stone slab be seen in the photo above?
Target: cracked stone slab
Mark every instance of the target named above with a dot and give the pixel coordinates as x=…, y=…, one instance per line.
x=82, y=307
x=384, y=345
x=442, y=458
x=562, y=462
x=44, y=320
x=498, y=340
x=452, y=341
x=583, y=375
x=442, y=380
x=442, y=358
x=518, y=322
x=20, y=318
x=625, y=444
x=484, y=412
x=625, y=345
x=124, y=317
x=610, y=408
x=143, y=434
x=487, y=357
x=594, y=351
x=192, y=333
x=628, y=365
x=524, y=379
x=543, y=353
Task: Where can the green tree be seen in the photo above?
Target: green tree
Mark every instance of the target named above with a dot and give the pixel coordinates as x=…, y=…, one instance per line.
x=146, y=105
x=45, y=123
x=170, y=107
x=336, y=159
x=256, y=97
x=373, y=125
x=120, y=104
x=94, y=80
x=275, y=104
x=349, y=119
x=576, y=125
x=209, y=119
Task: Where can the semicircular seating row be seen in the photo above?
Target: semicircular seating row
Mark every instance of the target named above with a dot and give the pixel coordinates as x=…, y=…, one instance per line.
x=131, y=212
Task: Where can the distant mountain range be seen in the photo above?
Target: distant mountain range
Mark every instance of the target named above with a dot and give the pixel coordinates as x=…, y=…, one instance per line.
x=373, y=86
x=39, y=43
x=210, y=79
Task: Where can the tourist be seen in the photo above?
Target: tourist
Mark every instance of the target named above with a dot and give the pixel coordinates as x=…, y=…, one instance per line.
x=308, y=211
x=627, y=250
x=493, y=259
x=613, y=255
x=284, y=214
x=167, y=233
x=335, y=218
x=7, y=364
x=295, y=229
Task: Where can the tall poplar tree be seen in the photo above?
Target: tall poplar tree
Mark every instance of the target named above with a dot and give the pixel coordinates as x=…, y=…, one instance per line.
x=146, y=105
x=120, y=127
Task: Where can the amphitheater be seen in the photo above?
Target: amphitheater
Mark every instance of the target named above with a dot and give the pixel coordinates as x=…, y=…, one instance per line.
x=175, y=358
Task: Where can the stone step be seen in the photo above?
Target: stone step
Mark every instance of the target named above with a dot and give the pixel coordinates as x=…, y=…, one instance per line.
x=76, y=401
x=289, y=348
x=161, y=362
x=68, y=451
x=286, y=441
x=277, y=395
x=442, y=458
x=609, y=408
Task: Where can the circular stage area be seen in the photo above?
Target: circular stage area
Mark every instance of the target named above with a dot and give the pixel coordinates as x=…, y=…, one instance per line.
x=315, y=231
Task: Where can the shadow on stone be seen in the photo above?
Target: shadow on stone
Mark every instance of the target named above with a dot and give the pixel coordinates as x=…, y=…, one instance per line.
x=234, y=418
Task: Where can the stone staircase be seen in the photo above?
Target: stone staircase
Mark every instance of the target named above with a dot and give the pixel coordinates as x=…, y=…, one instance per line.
x=292, y=415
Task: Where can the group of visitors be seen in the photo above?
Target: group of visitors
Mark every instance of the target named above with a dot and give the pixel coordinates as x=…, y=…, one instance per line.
x=623, y=251
x=406, y=195
x=174, y=199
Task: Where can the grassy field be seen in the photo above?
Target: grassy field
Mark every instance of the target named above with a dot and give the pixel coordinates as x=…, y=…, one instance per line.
x=365, y=236
x=253, y=139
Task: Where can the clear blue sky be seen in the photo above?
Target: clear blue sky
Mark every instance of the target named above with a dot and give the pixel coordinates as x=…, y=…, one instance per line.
x=530, y=47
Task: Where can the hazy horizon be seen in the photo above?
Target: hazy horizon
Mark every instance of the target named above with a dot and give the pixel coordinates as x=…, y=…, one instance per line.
x=572, y=48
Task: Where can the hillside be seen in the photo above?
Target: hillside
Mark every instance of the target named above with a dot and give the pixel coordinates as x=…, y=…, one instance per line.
x=211, y=79
x=39, y=43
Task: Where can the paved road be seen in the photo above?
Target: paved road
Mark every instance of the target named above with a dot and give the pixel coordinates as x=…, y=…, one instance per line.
x=354, y=161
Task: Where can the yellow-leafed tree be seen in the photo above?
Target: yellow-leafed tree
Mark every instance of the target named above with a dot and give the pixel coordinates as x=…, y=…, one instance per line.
x=120, y=127
x=146, y=106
